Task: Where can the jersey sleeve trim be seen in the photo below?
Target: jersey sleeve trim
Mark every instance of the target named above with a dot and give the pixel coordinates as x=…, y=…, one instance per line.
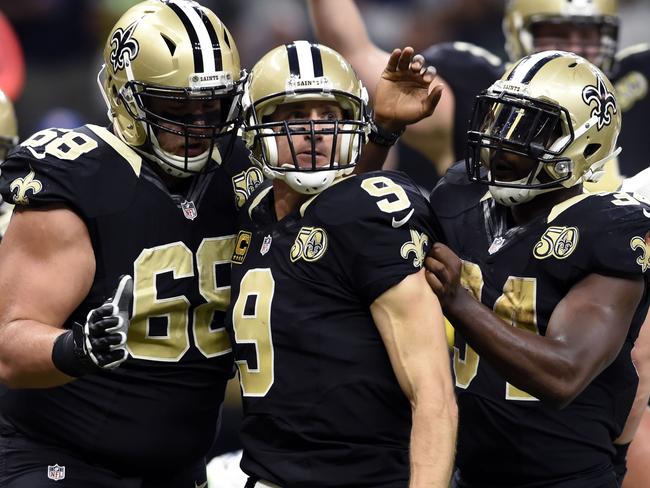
x=133, y=158
x=558, y=209
x=634, y=49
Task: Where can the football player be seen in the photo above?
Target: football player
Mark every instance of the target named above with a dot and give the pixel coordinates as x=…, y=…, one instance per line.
x=338, y=339
x=8, y=140
x=547, y=285
x=144, y=197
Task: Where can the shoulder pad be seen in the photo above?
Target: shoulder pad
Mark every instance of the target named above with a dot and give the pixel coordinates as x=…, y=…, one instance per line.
x=455, y=193
x=88, y=169
x=634, y=53
x=616, y=225
x=374, y=195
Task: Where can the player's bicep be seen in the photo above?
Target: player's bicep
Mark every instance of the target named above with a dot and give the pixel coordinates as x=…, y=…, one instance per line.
x=47, y=265
x=410, y=322
x=593, y=319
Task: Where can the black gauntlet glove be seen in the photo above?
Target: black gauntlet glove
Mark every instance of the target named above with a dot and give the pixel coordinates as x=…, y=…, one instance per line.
x=100, y=343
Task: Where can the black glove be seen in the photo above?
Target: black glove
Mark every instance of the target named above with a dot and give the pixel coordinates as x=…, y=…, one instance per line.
x=100, y=343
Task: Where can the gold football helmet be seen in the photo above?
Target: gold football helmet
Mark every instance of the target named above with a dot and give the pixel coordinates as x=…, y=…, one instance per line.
x=523, y=17
x=299, y=72
x=8, y=126
x=162, y=56
x=555, y=109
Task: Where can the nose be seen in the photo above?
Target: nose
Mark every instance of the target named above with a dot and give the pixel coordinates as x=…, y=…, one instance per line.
x=312, y=130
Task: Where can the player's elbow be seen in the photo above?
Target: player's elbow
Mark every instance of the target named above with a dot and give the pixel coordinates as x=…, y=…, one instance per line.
x=10, y=376
x=561, y=391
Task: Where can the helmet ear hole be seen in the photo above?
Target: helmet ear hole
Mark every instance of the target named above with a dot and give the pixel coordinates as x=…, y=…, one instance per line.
x=590, y=150
x=346, y=144
x=269, y=147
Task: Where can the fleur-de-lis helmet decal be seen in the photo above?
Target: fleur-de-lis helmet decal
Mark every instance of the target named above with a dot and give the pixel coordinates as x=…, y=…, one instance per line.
x=557, y=109
x=124, y=47
x=162, y=50
x=605, y=103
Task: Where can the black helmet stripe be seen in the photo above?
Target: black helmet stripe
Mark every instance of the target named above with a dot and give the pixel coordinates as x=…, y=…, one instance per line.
x=294, y=67
x=526, y=70
x=318, y=61
x=216, y=47
x=305, y=60
x=205, y=44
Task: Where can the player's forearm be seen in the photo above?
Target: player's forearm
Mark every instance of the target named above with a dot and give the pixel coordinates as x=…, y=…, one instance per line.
x=339, y=25
x=637, y=411
x=433, y=442
x=641, y=360
x=26, y=355
x=372, y=158
x=539, y=365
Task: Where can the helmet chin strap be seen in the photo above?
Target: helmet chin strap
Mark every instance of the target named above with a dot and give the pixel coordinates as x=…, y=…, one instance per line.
x=178, y=166
x=310, y=183
x=514, y=196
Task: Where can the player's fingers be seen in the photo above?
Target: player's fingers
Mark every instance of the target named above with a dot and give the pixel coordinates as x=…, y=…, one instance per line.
x=434, y=283
x=405, y=58
x=123, y=295
x=434, y=266
x=393, y=60
x=101, y=327
x=417, y=63
x=428, y=74
x=433, y=98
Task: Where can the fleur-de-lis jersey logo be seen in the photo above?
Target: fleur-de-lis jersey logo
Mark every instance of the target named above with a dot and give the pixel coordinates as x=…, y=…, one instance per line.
x=558, y=242
x=124, y=48
x=310, y=244
x=22, y=185
x=604, y=100
x=641, y=243
x=417, y=246
x=244, y=184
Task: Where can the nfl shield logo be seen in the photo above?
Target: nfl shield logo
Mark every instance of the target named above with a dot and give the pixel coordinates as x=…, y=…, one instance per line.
x=56, y=472
x=189, y=210
x=266, y=245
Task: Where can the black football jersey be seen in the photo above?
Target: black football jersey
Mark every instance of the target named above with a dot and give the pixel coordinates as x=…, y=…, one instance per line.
x=159, y=409
x=468, y=70
x=506, y=436
x=322, y=406
x=631, y=80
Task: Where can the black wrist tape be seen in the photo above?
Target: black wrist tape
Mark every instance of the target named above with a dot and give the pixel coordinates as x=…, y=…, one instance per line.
x=68, y=354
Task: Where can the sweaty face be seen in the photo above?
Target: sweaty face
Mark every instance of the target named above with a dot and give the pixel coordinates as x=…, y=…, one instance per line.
x=185, y=125
x=582, y=39
x=312, y=148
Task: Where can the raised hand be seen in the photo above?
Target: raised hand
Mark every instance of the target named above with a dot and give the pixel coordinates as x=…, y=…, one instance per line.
x=405, y=92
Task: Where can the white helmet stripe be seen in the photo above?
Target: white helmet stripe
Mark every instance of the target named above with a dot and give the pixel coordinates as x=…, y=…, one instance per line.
x=305, y=60
x=192, y=22
x=529, y=67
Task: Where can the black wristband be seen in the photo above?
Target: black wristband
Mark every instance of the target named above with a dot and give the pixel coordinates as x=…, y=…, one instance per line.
x=69, y=356
x=382, y=137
